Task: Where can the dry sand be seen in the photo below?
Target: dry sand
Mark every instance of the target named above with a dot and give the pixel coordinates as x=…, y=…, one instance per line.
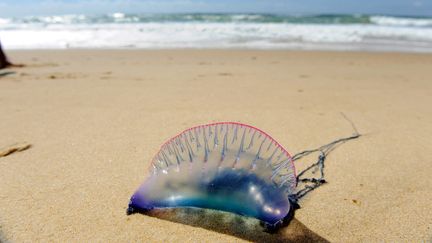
x=95, y=119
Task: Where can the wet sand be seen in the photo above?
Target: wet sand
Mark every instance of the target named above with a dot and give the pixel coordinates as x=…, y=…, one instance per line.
x=94, y=119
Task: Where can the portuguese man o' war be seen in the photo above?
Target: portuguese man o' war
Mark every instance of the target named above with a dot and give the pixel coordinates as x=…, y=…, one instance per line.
x=231, y=167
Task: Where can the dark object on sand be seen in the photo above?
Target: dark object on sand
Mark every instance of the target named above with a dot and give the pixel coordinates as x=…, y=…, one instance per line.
x=18, y=147
x=4, y=62
x=230, y=167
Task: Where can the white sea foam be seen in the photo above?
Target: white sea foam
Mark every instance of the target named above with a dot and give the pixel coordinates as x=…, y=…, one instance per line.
x=4, y=21
x=234, y=31
x=399, y=21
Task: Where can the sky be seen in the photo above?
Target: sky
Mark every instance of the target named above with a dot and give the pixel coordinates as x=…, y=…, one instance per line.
x=16, y=8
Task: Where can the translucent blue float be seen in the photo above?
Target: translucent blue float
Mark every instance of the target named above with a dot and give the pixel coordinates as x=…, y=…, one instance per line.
x=226, y=166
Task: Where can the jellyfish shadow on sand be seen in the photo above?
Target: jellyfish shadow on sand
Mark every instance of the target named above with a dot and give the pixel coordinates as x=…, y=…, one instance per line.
x=235, y=225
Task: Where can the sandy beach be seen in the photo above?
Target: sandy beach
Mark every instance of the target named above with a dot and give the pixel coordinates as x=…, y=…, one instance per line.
x=95, y=118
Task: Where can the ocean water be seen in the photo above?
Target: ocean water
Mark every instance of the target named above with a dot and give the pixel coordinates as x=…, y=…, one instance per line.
x=255, y=31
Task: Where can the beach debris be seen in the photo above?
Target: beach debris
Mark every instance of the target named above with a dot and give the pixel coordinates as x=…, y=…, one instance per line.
x=231, y=167
x=18, y=147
